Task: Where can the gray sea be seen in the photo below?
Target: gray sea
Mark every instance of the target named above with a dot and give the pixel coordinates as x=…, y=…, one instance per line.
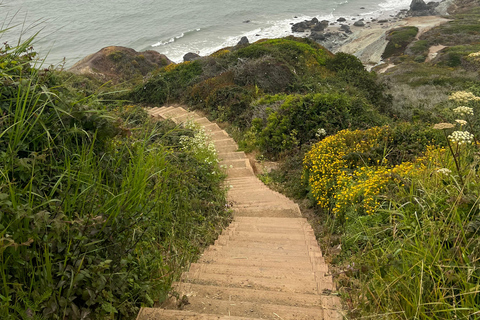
x=70, y=30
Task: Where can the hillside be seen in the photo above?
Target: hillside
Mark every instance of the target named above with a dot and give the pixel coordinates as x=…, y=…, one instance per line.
x=103, y=208
x=387, y=188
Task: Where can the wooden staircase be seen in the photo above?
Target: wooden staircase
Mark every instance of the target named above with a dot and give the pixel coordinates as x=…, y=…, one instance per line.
x=266, y=265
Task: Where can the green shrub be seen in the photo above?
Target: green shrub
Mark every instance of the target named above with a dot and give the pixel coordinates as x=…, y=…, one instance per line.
x=420, y=47
x=99, y=212
x=351, y=70
x=298, y=119
x=398, y=40
x=169, y=84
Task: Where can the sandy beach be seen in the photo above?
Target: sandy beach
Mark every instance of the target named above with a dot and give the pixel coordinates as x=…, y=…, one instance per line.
x=369, y=42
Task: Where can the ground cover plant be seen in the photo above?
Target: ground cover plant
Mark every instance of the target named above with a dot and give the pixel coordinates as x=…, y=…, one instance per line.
x=100, y=209
x=410, y=228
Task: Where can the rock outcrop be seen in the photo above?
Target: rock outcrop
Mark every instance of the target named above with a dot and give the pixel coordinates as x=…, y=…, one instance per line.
x=191, y=56
x=120, y=64
x=359, y=23
x=420, y=8
x=243, y=41
x=313, y=25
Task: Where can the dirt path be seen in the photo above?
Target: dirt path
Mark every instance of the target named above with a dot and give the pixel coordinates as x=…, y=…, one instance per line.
x=266, y=265
x=433, y=51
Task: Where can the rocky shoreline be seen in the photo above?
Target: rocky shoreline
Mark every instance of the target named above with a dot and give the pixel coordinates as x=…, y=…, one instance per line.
x=367, y=38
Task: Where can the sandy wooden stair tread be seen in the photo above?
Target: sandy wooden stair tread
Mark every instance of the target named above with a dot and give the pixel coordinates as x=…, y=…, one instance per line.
x=266, y=265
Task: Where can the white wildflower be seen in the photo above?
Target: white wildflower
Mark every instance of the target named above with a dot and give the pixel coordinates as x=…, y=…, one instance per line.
x=443, y=126
x=474, y=55
x=463, y=97
x=464, y=110
x=200, y=144
x=461, y=137
x=461, y=122
x=320, y=133
x=444, y=171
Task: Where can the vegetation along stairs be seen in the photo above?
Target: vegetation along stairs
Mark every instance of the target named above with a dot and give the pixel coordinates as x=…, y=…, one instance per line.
x=266, y=265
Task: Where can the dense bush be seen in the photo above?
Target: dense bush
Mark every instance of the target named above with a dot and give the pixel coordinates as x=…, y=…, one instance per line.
x=351, y=70
x=299, y=119
x=401, y=213
x=168, y=84
x=99, y=211
x=398, y=40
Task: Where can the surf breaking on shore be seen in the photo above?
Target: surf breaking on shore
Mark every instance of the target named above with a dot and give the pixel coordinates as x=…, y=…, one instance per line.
x=366, y=42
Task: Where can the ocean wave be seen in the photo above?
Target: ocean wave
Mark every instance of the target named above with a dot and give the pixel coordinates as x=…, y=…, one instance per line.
x=175, y=38
x=395, y=4
x=208, y=42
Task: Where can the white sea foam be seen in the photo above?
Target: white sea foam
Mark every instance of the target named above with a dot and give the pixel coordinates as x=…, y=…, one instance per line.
x=175, y=38
x=211, y=27
x=274, y=29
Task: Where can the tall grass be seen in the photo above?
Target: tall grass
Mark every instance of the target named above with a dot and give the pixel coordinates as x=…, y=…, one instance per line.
x=422, y=260
x=99, y=210
x=416, y=255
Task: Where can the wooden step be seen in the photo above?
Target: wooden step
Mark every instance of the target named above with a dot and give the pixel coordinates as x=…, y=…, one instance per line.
x=254, y=309
x=265, y=265
x=232, y=155
x=162, y=314
x=254, y=295
x=286, y=264
x=283, y=285
x=203, y=121
x=175, y=112
x=271, y=272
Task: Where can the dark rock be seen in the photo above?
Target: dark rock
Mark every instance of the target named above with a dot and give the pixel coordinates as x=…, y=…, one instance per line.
x=243, y=41
x=420, y=8
x=246, y=21
x=341, y=19
x=317, y=36
x=382, y=21
x=353, y=19
x=373, y=20
x=362, y=8
x=359, y=24
x=313, y=25
x=418, y=5
x=345, y=28
x=300, y=27
x=191, y=56
x=320, y=26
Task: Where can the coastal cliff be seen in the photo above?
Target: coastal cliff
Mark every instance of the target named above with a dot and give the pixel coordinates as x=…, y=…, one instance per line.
x=120, y=64
x=102, y=207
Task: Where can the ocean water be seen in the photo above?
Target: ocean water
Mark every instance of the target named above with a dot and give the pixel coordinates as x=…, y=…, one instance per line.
x=71, y=30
